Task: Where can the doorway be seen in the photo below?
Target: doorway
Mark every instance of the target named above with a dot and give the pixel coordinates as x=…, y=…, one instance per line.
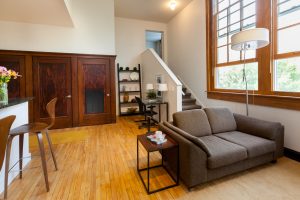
x=154, y=40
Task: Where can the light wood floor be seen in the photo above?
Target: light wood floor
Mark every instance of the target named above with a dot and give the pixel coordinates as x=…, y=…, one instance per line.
x=100, y=163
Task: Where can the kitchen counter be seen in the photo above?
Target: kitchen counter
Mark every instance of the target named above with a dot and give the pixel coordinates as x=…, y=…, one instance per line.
x=13, y=102
x=19, y=108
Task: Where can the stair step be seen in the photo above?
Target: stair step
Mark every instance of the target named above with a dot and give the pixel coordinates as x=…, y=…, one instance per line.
x=191, y=107
x=187, y=95
x=188, y=101
x=184, y=89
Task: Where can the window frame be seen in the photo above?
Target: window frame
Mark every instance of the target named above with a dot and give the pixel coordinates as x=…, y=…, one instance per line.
x=266, y=17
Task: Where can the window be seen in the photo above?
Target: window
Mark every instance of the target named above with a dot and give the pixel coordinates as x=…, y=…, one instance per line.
x=287, y=51
x=287, y=75
x=273, y=72
x=231, y=77
x=231, y=17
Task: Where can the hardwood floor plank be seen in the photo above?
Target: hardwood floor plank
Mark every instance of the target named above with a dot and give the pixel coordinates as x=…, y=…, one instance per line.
x=99, y=162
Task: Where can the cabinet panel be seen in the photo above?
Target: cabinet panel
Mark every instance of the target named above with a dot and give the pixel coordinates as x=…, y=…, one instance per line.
x=52, y=78
x=84, y=85
x=94, y=91
x=16, y=87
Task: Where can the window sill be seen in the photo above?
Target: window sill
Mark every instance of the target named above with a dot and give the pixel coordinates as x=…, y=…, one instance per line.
x=285, y=102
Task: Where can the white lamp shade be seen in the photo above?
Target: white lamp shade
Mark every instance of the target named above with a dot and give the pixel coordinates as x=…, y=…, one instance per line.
x=149, y=86
x=251, y=39
x=162, y=87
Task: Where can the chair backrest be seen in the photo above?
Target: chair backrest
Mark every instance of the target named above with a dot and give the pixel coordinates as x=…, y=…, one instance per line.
x=5, y=125
x=142, y=106
x=51, y=111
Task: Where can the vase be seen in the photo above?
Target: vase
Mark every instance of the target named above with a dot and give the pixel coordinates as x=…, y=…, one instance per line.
x=3, y=93
x=126, y=97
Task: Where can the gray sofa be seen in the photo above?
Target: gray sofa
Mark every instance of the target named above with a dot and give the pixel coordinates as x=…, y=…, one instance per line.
x=213, y=142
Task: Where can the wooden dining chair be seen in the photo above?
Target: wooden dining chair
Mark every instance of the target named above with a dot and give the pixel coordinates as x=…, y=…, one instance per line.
x=38, y=129
x=5, y=125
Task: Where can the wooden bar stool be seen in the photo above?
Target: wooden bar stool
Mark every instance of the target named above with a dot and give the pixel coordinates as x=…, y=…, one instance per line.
x=37, y=129
x=5, y=125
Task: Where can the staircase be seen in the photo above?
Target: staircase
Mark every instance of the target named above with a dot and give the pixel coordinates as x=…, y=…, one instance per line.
x=188, y=103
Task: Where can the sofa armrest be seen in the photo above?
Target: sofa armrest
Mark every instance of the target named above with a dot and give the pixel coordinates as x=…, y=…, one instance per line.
x=269, y=130
x=193, y=160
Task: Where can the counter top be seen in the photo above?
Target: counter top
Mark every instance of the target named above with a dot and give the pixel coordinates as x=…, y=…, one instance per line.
x=13, y=102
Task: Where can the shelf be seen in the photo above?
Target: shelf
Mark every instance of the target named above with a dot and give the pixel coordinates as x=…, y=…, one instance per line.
x=129, y=114
x=129, y=81
x=130, y=91
x=127, y=71
x=128, y=103
x=125, y=82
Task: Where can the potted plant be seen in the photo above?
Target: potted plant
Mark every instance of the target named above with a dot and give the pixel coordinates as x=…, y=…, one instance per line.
x=151, y=94
x=5, y=76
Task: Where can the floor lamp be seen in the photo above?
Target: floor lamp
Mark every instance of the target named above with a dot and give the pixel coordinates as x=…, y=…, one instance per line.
x=251, y=39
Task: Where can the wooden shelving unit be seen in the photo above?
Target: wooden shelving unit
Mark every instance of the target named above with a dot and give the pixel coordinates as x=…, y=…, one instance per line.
x=132, y=93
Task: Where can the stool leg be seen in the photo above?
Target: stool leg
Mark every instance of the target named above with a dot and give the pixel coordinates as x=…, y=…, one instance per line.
x=43, y=158
x=8, y=149
x=51, y=149
x=21, y=141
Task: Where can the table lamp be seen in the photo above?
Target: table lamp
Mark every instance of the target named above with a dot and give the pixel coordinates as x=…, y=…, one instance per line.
x=149, y=86
x=162, y=87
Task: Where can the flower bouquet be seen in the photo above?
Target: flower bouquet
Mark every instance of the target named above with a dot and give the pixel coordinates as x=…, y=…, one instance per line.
x=5, y=76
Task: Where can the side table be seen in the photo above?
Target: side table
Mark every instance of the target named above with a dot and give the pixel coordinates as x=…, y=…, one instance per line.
x=153, y=147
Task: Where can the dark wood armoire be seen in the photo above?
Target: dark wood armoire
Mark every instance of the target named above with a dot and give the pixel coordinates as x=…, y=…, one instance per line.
x=84, y=85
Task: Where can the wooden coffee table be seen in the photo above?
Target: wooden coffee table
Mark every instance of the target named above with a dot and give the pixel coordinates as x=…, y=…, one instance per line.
x=153, y=147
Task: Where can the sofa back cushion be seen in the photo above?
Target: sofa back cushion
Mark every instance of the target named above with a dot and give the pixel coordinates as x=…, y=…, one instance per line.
x=196, y=140
x=194, y=122
x=221, y=120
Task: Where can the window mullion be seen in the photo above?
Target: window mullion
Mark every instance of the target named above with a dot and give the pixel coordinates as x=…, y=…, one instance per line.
x=264, y=13
x=228, y=30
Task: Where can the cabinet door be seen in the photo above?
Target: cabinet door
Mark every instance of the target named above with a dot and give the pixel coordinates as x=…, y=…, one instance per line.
x=52, y=78
x=16, y=87
x=94, y=91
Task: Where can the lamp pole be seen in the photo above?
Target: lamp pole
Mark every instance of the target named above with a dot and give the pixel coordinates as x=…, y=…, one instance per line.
x=250, y=39
x=245, y=80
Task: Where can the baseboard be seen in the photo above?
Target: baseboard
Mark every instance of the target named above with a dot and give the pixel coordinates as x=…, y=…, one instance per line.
x=295, y=155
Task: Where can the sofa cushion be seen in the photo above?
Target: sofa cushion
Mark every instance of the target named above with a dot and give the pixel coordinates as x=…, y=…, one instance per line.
x=255, y=146
x=223, y=152
x=194, y=122
x=188, y=136
x=220, y=119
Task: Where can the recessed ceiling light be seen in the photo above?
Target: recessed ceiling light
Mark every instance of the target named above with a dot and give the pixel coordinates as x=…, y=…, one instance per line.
x=172, y=4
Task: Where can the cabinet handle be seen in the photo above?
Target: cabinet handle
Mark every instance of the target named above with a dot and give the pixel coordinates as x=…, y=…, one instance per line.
x=108, y=95
x=69, y=96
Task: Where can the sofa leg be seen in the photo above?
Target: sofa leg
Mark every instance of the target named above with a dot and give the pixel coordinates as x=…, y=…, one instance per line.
x=274, y=161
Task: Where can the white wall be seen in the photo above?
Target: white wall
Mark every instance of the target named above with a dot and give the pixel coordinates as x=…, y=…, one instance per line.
x=187, y=58
x=186, y=46
x=93, y=31
x=131, y=39
x=152, y=66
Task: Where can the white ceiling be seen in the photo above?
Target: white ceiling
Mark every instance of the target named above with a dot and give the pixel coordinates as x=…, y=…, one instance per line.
x=50, y=12
x=152, y=10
